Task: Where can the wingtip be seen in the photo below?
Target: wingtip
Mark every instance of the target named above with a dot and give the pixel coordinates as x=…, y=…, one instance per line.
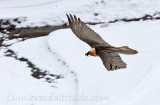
x=79, y=19
x=75, y=18
x=69, y=20
x=67, y=15
x=70, y=15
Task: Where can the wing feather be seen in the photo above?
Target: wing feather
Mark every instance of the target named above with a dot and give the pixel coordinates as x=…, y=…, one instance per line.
x=85, y=33
x=111, y=61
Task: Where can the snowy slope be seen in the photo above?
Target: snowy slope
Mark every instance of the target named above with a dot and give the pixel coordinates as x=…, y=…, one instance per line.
x=19, y=88
x=84, y=79
x=19, y=82
x=147, y=91
x=52, y=12
x=93, y=76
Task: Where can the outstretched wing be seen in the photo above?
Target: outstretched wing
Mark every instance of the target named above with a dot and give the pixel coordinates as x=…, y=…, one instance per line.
x=112, y=61
x=85, y=33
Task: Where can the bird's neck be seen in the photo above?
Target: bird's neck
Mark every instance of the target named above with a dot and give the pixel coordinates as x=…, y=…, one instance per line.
x=93, y=52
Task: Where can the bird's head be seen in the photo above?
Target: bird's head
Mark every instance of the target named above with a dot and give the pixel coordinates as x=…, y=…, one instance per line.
x=92, y=52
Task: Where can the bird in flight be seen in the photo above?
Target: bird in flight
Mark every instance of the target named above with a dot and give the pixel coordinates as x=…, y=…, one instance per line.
x=99, y=47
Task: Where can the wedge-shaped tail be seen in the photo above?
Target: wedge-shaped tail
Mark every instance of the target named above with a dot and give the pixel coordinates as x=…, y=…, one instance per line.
x=125, y=50
x=121, y=50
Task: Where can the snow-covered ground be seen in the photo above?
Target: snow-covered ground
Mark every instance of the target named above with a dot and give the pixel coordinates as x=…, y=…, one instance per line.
x=93, y=77
x=52, y=12
x=61, y=53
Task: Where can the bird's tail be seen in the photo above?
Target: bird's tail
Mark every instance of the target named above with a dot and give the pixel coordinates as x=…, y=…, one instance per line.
x=125, y=50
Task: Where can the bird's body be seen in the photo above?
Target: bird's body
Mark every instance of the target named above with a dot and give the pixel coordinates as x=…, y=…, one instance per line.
x=99, y=47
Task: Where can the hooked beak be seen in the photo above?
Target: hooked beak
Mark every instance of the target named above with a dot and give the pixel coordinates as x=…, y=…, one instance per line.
x=87, y=53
